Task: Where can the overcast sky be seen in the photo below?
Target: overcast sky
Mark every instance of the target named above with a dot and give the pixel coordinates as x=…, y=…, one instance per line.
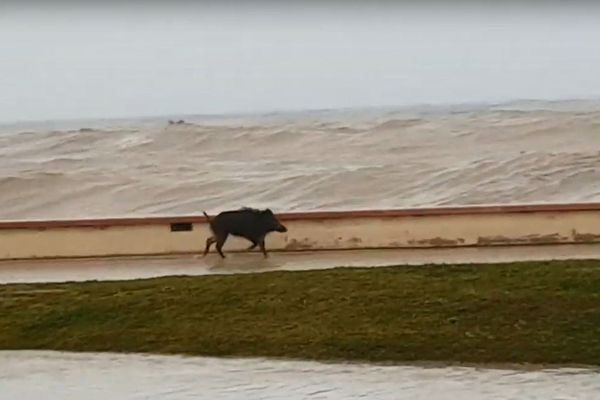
x=59, y=62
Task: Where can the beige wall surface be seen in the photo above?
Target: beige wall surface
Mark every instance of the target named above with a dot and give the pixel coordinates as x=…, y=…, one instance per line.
x=334, y=232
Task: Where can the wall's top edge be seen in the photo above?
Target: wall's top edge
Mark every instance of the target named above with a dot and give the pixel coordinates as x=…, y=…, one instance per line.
x=310, y=216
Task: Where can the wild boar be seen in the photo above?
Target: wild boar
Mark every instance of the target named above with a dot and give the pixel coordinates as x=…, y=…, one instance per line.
x=249, y=223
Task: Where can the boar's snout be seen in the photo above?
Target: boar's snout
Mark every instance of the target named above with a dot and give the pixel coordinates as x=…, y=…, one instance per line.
x=281, y=228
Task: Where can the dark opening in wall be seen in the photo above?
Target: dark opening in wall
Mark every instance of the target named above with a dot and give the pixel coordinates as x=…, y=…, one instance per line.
x=182, y=227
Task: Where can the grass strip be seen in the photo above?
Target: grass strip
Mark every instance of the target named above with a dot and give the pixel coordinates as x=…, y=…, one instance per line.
x=529, y=312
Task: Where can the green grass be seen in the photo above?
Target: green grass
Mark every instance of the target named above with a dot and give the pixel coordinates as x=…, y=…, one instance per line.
x=546, y=312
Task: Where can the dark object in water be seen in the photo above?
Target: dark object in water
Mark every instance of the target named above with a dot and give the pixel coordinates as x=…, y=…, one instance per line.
x=249, y=223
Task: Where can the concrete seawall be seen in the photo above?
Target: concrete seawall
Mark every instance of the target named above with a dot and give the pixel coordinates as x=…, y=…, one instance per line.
x=481, y=226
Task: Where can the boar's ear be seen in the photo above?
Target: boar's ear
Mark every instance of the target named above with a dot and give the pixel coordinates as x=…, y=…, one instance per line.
x=268, y=212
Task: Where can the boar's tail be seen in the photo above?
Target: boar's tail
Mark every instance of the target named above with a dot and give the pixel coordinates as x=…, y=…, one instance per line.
x=206, y=215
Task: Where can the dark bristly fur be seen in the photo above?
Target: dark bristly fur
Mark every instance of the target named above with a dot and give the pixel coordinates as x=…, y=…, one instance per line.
x=249, y=223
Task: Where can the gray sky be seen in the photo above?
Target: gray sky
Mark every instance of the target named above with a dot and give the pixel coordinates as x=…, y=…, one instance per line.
x=113, y=61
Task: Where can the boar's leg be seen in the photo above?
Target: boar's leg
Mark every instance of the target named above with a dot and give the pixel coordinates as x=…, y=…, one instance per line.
x=221, y=238
x=253, y=245
x=209, y=243
x=262, y=247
